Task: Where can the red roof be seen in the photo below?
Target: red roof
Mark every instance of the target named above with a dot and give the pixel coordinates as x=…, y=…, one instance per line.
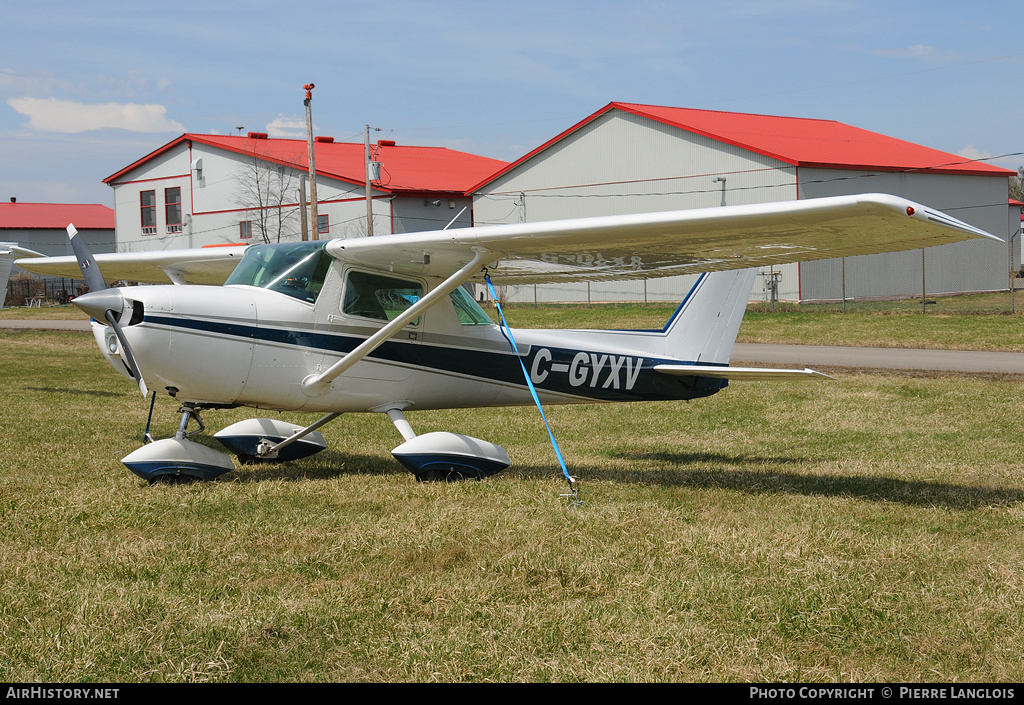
x=799, y=141
x=55, y=216
x=405, y=168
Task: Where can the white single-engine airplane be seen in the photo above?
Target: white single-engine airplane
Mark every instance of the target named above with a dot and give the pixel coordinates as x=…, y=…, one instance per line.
x=383, y=324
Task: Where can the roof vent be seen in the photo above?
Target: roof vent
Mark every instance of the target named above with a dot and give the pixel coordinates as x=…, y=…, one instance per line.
x=385, y=143
x=14, y=199
x=325, y=139
x=258, y=135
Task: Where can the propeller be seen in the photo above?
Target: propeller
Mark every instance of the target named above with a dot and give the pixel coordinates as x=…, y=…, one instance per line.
x=102, y=302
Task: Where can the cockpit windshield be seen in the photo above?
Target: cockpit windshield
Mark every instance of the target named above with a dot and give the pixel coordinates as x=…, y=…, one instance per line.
x=296, y=269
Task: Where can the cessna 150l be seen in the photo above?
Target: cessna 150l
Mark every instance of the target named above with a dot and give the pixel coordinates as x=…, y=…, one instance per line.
x=383, y=324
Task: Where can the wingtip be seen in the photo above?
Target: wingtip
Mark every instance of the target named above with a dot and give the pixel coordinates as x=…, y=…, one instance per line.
x=950, y=222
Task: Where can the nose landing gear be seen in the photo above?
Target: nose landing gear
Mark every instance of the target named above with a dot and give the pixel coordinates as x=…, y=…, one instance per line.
x=179, y=459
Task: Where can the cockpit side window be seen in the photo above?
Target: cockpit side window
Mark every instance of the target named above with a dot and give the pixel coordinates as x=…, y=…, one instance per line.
x=376, y=296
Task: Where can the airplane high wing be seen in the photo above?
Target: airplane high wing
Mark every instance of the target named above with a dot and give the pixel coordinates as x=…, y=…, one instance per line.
x=639, y=246
x=671, y=243
x=382, y=324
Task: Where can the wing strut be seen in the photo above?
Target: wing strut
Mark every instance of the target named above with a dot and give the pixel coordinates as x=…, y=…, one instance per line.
x=316, y=385
x=267, y=449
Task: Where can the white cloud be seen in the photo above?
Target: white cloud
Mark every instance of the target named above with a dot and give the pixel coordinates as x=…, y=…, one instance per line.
x=972, y=152
x=923, y=52
x=55, y=115
x=287, y=126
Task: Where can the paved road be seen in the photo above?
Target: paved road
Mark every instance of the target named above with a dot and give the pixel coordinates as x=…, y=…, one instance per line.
x=58, y=324
x=791, y=355
x=880, y=358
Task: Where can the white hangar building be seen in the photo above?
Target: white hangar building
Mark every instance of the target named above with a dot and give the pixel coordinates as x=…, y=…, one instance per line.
x=202, y=190
x=629, y=158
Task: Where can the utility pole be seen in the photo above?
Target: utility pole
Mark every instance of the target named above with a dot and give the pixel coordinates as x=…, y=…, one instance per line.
x=303, y=213
x=924, y=299
x=314, y=220
x=844, y=285
x=366, y=170
x=1013, y=272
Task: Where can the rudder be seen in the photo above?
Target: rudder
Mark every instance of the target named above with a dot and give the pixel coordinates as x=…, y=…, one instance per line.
x=705, y=326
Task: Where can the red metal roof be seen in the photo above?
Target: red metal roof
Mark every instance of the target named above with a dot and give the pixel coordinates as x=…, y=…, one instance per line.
x=55, y=216
x=802, y=142
x=406, y=169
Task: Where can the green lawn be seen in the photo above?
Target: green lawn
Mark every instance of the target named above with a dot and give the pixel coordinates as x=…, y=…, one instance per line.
x=866, y=529
x=22, y=313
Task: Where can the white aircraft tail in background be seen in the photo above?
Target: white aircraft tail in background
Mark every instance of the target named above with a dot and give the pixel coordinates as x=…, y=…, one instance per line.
x=9, y=251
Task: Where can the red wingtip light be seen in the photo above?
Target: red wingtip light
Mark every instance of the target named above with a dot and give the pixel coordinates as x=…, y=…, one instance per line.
x=910, y=210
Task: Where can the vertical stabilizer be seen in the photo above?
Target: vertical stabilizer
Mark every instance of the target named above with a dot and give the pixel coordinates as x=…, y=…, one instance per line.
x=704, y=327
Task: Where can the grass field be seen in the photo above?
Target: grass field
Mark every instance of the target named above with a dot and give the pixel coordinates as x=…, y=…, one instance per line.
x=23, y=313
x=867, y=529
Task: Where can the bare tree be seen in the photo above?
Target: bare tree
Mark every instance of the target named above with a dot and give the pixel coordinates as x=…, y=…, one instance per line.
x=266, y=192
x=1017, y=185
x=357, y=227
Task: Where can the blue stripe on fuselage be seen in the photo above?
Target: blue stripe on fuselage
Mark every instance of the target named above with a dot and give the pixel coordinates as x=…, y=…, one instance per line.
x=581, y=373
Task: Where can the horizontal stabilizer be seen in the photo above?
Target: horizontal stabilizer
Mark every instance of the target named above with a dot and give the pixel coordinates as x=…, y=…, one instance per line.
x=10, y=248
x=742, y=374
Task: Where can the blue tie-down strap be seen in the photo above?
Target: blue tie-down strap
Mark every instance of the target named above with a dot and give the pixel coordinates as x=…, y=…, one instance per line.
x=529, y=383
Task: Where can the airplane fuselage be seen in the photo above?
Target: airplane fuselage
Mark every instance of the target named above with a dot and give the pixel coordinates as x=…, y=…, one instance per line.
x=243, y=345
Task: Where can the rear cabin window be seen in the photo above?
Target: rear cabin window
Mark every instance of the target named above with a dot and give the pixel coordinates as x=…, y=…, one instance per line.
x=468, y=310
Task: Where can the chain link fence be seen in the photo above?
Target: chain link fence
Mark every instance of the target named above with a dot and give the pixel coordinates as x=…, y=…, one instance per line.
x=26, y=290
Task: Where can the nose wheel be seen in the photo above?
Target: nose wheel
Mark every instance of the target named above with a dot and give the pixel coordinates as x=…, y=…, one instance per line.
x=179, y=459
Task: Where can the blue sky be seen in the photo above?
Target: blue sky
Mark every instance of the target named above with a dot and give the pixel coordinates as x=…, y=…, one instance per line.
x=87, y=88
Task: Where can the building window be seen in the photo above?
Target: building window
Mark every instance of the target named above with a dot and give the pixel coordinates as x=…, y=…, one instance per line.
x=323, y=224
x=147, y=202
x=245, y=230
x=172, y=209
